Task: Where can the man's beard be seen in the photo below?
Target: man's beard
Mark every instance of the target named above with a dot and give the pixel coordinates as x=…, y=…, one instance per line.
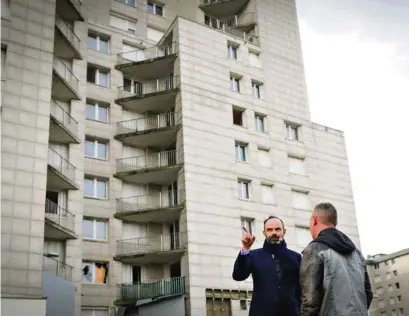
x=275, y=240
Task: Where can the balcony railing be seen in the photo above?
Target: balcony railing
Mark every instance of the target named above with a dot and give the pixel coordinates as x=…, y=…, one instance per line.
x=144, y=245
x=150, y=201
x=237, y=20
x=57, y=268
x=64, y=118
x=148, y=123
x=146, y=54
x=145, y=290
x=155, y=160
x=59, y=215
x=250, y=37
x=147, y=87
x=66, y=73
x=68, y=32
x=62, y=165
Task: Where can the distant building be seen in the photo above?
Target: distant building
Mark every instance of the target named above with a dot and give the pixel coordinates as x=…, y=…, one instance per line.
x=389, y=275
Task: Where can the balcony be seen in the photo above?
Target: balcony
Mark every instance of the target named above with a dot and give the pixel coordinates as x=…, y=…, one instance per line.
x=66, y=43
x=65, y=84
x=159, y=249
x=57, y=268
x=250, y=37
x=149, y=96
x=70, y=10
x=63, y=127
x=59, y=223
x=223, y=8
x=130, y=294
x=148, y=64
x=61, y=173
x=154, y=131
x=161, y=207
x=246, y=22
x=156, y=168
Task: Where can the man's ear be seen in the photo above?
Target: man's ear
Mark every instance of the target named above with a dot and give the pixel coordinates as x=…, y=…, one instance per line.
x=284, y=232
x=315, y=220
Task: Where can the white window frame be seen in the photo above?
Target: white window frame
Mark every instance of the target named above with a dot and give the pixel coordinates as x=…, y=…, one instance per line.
x=154, y=5
x=260, y=122
x=292, y=131
x=97, y=105
x=241, y=148
x=244, y=194
x=271, y=189
x=133, y=85
x=95, y=144
x=232, y=51
x=98, y=39
x=256, y=88
x=97, y=73
x=94, y=229
x=235, y=83
x=248, y=223
x=127, y=2
x=95, y=181
x=95, y=309
x=93, y=272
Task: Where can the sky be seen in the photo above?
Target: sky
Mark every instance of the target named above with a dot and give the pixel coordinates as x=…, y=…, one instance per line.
x=356, y=59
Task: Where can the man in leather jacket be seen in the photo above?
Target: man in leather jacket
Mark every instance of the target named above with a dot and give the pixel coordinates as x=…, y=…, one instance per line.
x=333, y=275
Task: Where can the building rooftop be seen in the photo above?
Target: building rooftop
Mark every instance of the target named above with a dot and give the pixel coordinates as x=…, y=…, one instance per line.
x=384, y=257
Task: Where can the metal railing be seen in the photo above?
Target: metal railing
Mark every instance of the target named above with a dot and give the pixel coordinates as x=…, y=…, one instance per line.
x=144, y=245
x=147, y=87
x=237, y=20
x=64, y=118
x=145, y=290
x=61, y=164
x=59, y=215
x=148, y=123
x=66, y=73
x=155, y=160
x=250, y=37
x=68, y=32
x=150, y=201
x=211, y=1
x=146, y=54
x=57, y=268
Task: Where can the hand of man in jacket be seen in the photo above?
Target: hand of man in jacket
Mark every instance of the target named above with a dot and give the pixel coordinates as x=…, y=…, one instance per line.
x=247, y=240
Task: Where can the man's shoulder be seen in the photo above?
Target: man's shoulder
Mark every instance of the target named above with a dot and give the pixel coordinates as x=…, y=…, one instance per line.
x=294, y=254
x=314, y=247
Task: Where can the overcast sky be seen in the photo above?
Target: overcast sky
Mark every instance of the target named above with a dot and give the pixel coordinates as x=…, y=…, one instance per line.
x=356, y=56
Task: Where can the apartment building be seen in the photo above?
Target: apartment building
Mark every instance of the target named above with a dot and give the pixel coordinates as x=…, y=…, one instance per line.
x=138, y=137
x=389, y=276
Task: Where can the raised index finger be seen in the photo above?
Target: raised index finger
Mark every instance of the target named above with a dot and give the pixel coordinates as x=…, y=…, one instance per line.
x=245, y=230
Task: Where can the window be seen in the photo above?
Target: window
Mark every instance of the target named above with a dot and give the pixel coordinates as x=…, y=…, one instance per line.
x=254, y=59
x=238, y=116
x=260, y=123
x=391, y=300
x=96, y=111
x=95, y=229
x=292, y=131
x=241, y=151
x=131, y=86
x=132, y=53
x=296, y=165
x=390, y=288
x=379, y=290
x=248, y=223
x=388, y=276
x=98, y=43
x=401, y=312
x=300, y=200
x=98, y=76
x=5, y=9
x=122, y=24
x=377, y=278
x=395, y=272
x=397, y=285
x=303, y=236
x=3, y=60
x=376, y=266
x=95, y=188
x=243, y=188
x=381, y=303
x=154, y=34
x=94, y=312
x=399, y=298
x=96, y=149
x=264, y=157
x=256, y=87
x=155, y=8
x=267, y=194
x=232, y=51
x=94, y=272
x=394, y=313
x=243, y=305
x=235, y=84
x=128, y=2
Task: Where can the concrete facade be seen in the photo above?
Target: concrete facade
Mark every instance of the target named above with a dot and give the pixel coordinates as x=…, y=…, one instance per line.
x=172, y=207
x=389, y=276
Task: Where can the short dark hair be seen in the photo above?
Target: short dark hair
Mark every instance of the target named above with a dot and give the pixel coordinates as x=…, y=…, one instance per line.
x=271, y=217
x=329, y=212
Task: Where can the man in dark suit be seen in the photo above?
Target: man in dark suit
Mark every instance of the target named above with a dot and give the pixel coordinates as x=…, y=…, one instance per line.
x=275, y=270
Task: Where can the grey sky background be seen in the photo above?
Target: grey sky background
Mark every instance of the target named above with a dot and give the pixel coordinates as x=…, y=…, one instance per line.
x=356, y=57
